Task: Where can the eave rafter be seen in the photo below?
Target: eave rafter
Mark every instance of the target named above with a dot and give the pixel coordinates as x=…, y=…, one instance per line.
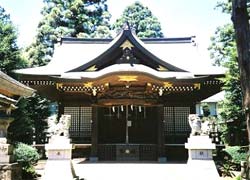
x=89, y=88
x=177, y=87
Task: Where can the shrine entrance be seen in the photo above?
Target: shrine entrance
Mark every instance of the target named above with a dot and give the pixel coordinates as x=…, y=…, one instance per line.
x=130, y=124
x=127, y=132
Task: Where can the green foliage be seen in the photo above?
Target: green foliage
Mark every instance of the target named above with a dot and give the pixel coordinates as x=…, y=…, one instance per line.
x=236, y=153
x=32, y=111
x=21, y=129
x=9, y=51
x=29, y=120
x=39, y=106
x=141, y=19
x=74, y=18
x=27, y=157
x=238, y=178
x=223, y=51
x=205, y=109
x=229, y=159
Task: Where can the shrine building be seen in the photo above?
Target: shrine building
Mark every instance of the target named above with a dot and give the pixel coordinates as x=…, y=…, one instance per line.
x=129, y=98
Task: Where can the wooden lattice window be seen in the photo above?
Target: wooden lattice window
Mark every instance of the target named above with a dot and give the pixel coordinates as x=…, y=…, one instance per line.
x=85, y=121
x=80, y=121
x=181, y=119
x=176, y=120
x=74, y=124
x=169, y=120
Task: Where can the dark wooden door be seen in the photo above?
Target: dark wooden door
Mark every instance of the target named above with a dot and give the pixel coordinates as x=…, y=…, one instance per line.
x=143, y=129
x=112, y=125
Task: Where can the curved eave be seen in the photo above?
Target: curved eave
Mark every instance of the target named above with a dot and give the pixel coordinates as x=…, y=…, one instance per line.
x=7, y=100
x=153, y=77
x=127, y=35
x=13, y=87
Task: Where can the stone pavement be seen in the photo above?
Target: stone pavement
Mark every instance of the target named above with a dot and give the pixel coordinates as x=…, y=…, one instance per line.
x=57, y=169
x=145, y=171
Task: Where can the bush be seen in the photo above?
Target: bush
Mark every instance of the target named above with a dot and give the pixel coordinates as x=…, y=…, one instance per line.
x=236, y=153
x=27, y=157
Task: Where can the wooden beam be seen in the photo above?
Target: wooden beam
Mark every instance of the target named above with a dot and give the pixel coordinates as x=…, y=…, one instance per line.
x=94, y=134
x=160, y=138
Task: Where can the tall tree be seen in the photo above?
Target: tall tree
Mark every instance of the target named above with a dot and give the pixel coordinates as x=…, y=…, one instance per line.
x=72, y=18
x=30, y=120
x=21, y=129
x=139, y=17
x=240, y=20
x=223, y=51
x=31, y=112
x=9, y=52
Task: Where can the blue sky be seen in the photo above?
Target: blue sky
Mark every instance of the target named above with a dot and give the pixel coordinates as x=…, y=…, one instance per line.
x=178, y=18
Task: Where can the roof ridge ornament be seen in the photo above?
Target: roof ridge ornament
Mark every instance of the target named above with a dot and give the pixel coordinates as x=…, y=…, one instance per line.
x=128, y=27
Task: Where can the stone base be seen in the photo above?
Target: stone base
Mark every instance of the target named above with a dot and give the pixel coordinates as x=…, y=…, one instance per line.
x=199, y=148
x=162, y=159
x=10, y=171
x=59, y=154
x=93, y=159
x=59, y=148
x=6, y=149
x=5, y=159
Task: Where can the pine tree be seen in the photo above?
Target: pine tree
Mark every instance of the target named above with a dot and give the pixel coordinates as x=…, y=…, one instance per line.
x=141, y=19
x=73, y=18
x=9, y=51
x=31, y=112
x=21, y=129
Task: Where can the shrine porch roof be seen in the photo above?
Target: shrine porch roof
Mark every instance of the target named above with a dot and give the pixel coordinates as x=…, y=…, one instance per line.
x=180, y=54
x=10, y=86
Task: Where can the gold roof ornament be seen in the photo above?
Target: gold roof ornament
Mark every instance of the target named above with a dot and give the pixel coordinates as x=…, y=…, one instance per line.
x=88, y=84
x=59, y=85
x=161, y=68
x=106, y=84
x=128, y=78
x=127, y=44
x=91, y=69
x=167, y=84
x=149, y=84
x=197, y=86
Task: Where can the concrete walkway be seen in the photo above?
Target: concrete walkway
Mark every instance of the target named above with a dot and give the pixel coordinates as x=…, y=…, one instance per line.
x=144, y=171
x=57, y=169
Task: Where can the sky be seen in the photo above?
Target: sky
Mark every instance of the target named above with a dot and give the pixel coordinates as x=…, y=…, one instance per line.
x=178, y=18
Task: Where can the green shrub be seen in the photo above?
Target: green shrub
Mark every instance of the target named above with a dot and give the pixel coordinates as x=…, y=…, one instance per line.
x=236, y=153
x=238, y=178
x=27, y=157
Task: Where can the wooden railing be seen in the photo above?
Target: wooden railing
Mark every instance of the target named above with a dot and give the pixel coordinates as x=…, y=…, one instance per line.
x=127, y=152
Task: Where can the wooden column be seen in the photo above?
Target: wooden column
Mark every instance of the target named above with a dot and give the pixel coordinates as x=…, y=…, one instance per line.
x=161, y=138
x=192, y=109
x=94, y=135
x=60, y=109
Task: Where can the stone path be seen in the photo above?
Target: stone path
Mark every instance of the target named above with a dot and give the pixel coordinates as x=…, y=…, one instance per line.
x=204, y=170
x=145, y=171
x=57, y=169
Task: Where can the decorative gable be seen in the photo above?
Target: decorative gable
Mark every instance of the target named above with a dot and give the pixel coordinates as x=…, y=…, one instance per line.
x=127, y=49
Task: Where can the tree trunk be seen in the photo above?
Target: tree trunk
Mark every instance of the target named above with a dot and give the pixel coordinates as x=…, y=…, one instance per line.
x=240, y=20
x=241, y=26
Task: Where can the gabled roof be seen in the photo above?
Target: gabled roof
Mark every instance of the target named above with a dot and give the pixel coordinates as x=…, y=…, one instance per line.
x=74, y=55
x=127, y=49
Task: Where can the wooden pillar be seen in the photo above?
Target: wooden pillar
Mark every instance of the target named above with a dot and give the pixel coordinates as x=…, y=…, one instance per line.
x=60, y=109
x=94, y=135
x=161, y=138
x=192, y=109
